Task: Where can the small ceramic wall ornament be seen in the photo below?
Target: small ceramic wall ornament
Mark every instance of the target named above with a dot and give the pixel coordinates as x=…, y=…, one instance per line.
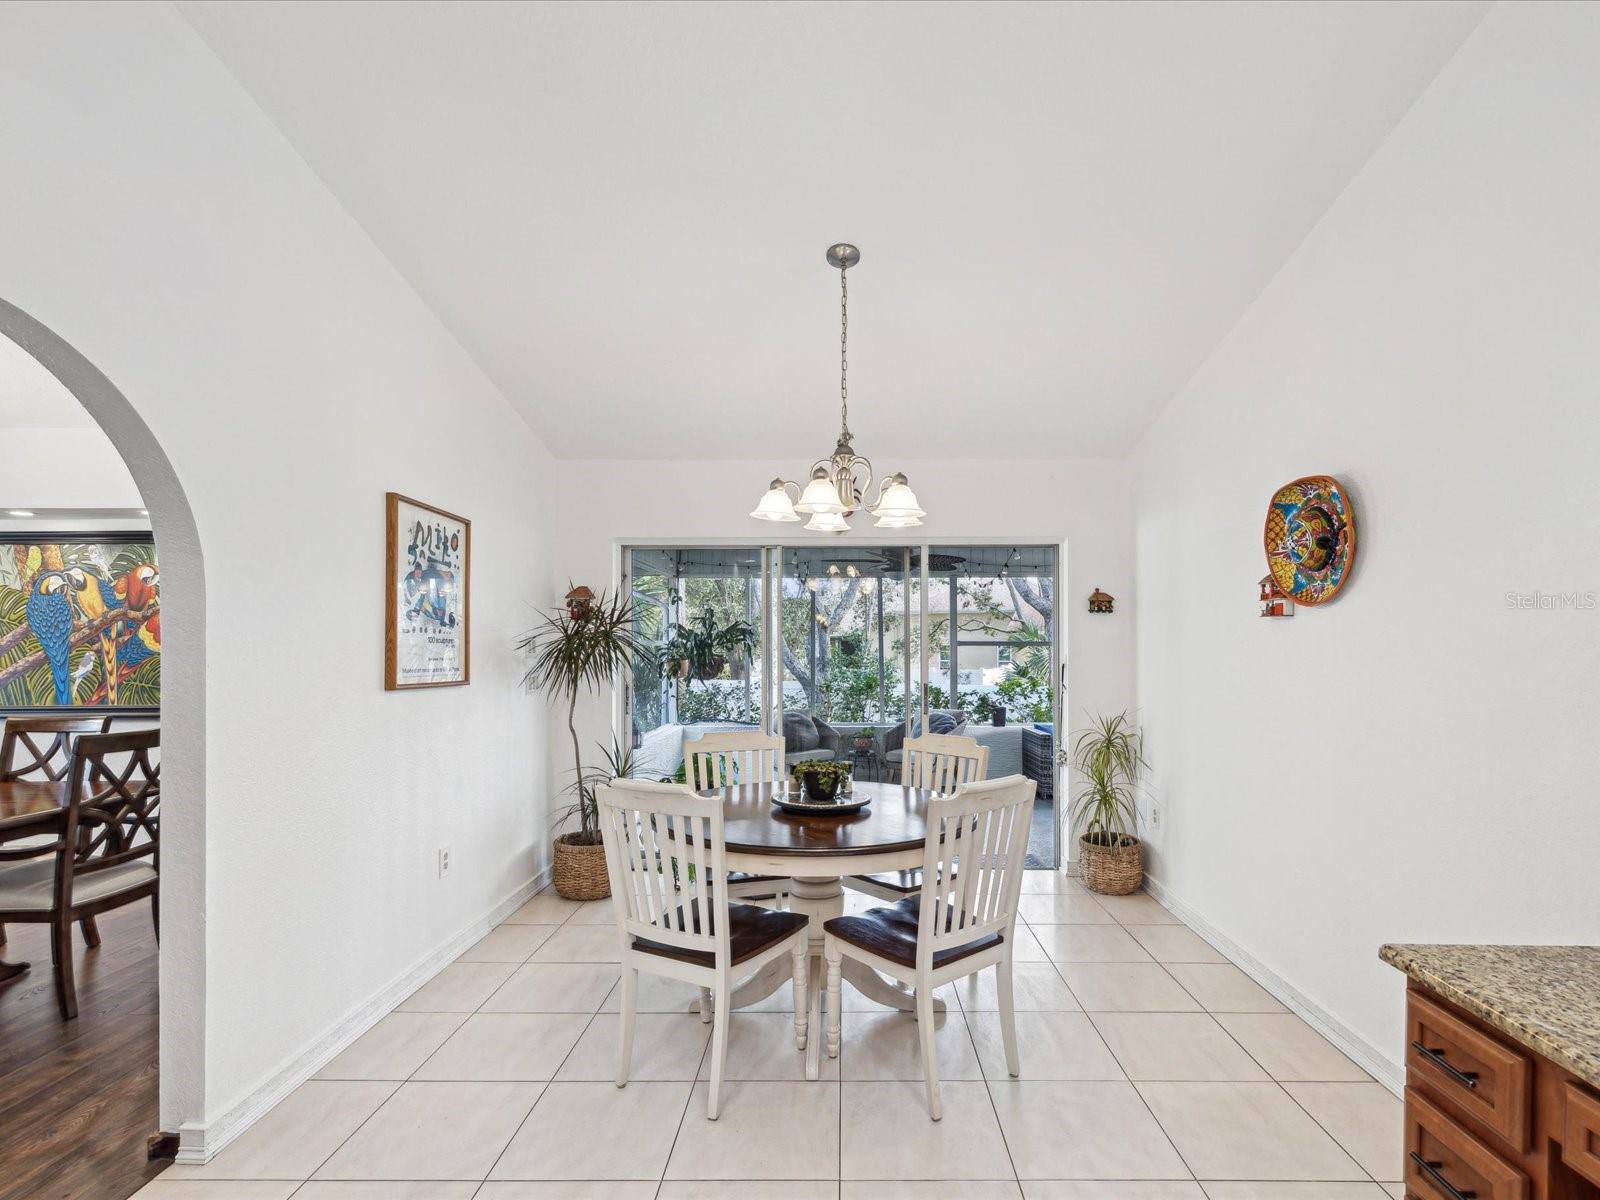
x=1100, y=602
x=578, y=601
x=1273, y=602
x=1310, y=539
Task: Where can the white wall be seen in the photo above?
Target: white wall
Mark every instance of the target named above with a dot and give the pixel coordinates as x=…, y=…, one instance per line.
x=62, y=468
x=1416, y=761
x=1083, y=503
x=158, y=223
x=52, y=455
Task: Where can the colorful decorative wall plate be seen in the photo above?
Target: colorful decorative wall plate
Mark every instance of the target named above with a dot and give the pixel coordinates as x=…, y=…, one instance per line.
x=1310, y=538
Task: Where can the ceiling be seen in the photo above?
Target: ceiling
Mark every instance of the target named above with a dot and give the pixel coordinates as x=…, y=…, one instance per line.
x=621, y=210
x=31, y=397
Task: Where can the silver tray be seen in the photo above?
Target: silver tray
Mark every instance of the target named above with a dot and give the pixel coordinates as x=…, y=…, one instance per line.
x=803, y=805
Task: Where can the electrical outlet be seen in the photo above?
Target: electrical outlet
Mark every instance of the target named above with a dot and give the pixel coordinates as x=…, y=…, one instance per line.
x=1155, y=816
x=444, y=861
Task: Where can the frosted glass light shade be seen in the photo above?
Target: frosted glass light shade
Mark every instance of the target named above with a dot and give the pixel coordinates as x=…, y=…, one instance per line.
x=820, y=496
x=897, y=502
x=898, y=522
x=775, y=505
x=827, y=522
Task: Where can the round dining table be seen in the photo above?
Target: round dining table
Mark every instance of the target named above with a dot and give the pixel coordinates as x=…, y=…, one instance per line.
x=27, y=807
x=818, y=852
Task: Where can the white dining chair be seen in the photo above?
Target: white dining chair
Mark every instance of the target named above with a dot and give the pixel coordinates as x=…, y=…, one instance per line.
x=717, y=760
x=939, y=762
x=962, y=921
x=665, y=856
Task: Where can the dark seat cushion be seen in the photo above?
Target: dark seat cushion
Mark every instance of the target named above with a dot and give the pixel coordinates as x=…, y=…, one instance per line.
x=746, y=877
x=891, y=932
x=750, y=931
x=907, y=883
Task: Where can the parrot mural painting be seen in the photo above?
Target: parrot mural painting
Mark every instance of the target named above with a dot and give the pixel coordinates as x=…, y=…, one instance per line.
x=80, y=624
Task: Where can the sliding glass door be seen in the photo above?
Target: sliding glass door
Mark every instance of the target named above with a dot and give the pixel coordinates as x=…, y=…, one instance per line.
x=700, y=609
x=843, y=633
x=994, y=663
x=846, y=649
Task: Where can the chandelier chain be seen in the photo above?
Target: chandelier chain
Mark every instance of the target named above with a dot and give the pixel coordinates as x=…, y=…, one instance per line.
x=838, y=486
x=844, y=345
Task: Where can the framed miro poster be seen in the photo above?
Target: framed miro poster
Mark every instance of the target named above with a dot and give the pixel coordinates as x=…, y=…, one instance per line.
x=428, y=596
x=80, y=622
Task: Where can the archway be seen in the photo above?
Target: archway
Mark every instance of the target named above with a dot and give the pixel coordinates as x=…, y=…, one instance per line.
x=183, y=713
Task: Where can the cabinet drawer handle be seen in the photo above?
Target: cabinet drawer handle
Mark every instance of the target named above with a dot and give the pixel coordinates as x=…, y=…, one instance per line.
x=1431, y=1170
x=1467, y=1079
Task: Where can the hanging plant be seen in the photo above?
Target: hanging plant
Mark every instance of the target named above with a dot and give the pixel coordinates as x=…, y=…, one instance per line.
x=701, y=647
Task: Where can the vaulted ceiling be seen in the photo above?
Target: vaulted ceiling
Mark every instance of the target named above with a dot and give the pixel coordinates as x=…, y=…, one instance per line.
x=621, y=210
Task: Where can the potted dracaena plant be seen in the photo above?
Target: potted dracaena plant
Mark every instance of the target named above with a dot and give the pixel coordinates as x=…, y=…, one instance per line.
x=1109, y=758
x=576, y=649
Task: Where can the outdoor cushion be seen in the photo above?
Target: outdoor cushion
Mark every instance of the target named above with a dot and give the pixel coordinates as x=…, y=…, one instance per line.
x=800, y=732
x=938, y=722
x=891, y=933
x=31, y=886
x=750, y=931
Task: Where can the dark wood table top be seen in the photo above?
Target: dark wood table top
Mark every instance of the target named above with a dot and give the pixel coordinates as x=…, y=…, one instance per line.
x=24, y=801
x=895, y=820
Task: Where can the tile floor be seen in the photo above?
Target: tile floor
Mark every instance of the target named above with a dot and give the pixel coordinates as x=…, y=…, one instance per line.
x=1152, y=1069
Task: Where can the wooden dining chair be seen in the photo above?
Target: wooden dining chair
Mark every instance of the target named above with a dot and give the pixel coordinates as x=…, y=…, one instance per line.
x=962, y=921
x=717, y=760
x=665, y=857
x=40, y=748
x=939, y=762
x=106, y=853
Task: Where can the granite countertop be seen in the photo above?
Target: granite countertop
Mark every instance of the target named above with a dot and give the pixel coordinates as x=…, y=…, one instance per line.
x=1545, y=997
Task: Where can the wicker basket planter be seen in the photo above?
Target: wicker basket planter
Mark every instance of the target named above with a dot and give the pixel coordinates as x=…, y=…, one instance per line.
x=1111, y=870
x=579, y=871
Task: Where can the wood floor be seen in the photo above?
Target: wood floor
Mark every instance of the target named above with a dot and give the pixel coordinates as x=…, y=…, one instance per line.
x=78, y=1098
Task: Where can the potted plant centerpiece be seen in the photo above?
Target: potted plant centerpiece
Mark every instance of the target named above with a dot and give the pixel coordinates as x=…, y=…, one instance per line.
x=864, y=737
x=1109, y=757
x=578, y=649
x=821, y=780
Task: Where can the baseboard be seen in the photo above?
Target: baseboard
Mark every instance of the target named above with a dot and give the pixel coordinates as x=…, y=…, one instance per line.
x=1387, y=1071
x=199, y=1143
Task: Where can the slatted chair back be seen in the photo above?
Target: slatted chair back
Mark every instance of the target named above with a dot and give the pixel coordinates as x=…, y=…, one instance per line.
x=972, y=865
x=113, y=807
x=724, y=759
x=664, y=854
x=942, y=762
x=41, y=747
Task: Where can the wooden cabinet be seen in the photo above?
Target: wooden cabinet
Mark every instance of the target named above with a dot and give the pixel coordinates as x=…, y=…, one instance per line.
x=1472, y=1073
x=1580, y=1141
x=1445, y=1159
x=1488, y=1118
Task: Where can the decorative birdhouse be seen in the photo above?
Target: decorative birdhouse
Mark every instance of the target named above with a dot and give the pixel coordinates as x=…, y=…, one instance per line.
x=578, y=601
x=1100, y=602
x=1273, y=602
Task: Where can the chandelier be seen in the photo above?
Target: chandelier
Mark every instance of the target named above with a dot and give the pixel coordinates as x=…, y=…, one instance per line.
x=840, y=482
